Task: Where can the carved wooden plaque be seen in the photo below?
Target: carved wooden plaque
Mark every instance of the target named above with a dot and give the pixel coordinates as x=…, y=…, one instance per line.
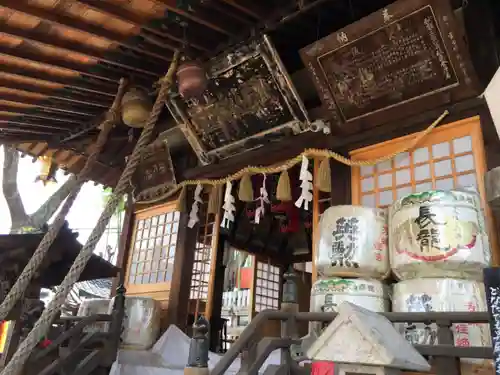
x=401, y=60
x=250, y=101
x=154, y=171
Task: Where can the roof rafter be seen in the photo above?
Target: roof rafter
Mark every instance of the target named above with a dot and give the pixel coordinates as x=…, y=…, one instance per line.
x=51, y=61
x=175, y=33
x=19, y=101
x=54, y=42
x=30, y=124
x=76, y=24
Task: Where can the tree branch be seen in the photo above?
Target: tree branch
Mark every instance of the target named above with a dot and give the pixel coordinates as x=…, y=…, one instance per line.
x=10, y=189
x=47, y=209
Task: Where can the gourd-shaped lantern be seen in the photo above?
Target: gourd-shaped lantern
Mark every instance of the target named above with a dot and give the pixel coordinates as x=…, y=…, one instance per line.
x=191, y=79
x=48, y=170
x=135, y=107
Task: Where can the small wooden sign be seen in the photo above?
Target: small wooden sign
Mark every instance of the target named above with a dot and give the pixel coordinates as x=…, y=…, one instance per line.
x=492, y=287
x=155, y=170
x=401, y=60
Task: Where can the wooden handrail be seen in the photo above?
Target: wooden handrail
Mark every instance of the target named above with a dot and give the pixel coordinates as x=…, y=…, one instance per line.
x=442, y=319
x=76, y=329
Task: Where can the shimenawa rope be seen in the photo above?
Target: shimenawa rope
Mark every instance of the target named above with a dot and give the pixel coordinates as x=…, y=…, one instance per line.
x=38, y=256
x=43, y=324
x=310, y=152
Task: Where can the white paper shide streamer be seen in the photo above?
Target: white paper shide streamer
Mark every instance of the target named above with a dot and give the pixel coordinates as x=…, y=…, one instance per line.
x=228, y=207
x=306, y=185
x=193, y=215
x=263, y=199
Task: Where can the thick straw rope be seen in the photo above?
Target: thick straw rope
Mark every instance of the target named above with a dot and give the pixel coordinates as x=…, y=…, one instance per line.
x=36, y=260
x=310, y=152
x=43, y=324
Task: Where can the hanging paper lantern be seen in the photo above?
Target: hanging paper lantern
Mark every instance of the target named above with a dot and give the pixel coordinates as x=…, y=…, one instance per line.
x=135, y=107
x=192, y=79
x=48, y=170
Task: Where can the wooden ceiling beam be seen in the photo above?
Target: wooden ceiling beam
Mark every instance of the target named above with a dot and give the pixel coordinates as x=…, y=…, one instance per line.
x=15, y=139
x=24, y=52
x=22, y=112
x=53, y=94
x=232, y=12
x=30, y=124
x=13, y=131
x=69, y=46
x=43, y=108
x=15, y=98
x=248, y=7
x=198, y=15
x=81, y=84
x=78, y=25
x=175, y=33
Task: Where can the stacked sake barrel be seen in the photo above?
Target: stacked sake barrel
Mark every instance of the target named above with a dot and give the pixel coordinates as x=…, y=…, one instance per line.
x=438, y=248
x=351, y=260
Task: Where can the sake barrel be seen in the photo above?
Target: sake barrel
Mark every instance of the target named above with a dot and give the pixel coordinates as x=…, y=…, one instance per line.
x=352, y=242
x=96, y=306
x=141, y=325
x=442, y=295
x=438, y=234
x=327, y=294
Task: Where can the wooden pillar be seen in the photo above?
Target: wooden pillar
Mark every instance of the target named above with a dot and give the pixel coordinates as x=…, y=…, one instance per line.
x=341, y=183
x=183, y=270
x=124, y=243
x=217, y=288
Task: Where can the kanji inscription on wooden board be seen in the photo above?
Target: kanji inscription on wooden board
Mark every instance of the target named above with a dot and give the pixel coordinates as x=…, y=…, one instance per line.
x=401, y=60
x=154, y=171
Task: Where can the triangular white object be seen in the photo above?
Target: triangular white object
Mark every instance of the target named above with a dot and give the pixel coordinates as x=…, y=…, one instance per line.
x=372, y=339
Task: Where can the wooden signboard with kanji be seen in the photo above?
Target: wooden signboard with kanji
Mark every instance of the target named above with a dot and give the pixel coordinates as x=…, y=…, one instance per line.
x=154, y=172
x=399, y=61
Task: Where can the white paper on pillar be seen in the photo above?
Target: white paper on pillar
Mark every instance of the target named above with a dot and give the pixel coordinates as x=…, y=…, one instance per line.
x=492, y=96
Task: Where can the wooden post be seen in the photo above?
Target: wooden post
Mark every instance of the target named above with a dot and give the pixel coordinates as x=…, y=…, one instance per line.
x=124, y=244
x=181, y=278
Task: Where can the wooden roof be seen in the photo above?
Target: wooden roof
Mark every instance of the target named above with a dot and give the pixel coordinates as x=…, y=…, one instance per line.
x=60, y=62
x=18, y=248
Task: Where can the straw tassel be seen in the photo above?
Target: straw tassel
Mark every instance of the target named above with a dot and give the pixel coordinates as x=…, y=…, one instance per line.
x=324, y=177
x=181, y=201
x=283, y=190
x=214, y=200
x=245, y=192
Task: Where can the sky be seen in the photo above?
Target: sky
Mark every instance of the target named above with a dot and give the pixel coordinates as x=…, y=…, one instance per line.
x=82, y=216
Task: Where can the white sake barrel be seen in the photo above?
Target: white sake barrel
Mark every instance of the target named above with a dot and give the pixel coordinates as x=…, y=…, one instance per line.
x=438, y=234
x=442, y=295
x=352, y=242
x=141, y=325
x=327, y=294
x=90, y=307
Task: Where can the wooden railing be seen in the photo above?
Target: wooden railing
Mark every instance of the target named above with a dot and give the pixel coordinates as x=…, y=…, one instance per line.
x=77, y=352
x=254, y=350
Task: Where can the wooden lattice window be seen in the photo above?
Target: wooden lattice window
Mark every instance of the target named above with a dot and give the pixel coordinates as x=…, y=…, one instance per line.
x=450, y=157
x=204, y=259
x=153, y=246
x=267, y=287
